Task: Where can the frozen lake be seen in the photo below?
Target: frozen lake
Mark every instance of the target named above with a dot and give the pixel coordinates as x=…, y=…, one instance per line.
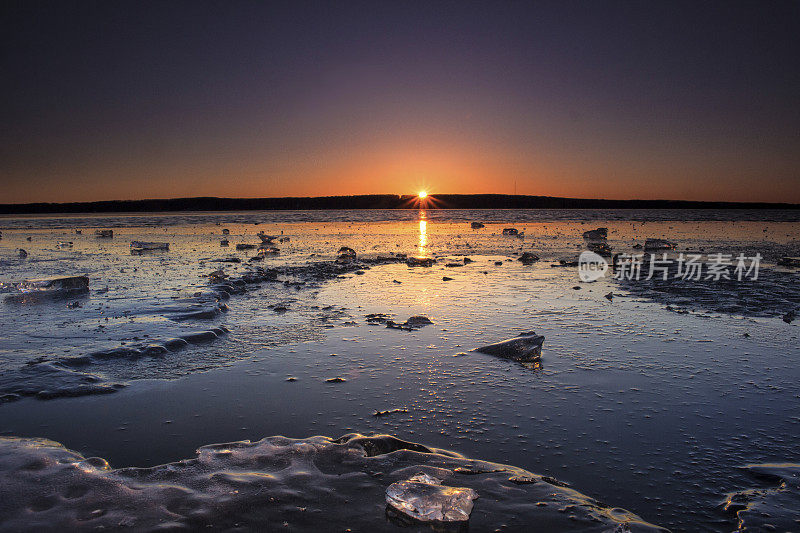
x=651, y=400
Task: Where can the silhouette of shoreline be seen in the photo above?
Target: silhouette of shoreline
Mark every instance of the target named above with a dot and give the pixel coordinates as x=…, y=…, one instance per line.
x=374, y=201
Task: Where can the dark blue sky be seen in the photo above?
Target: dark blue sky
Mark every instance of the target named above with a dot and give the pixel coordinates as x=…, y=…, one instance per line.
x=112, y=100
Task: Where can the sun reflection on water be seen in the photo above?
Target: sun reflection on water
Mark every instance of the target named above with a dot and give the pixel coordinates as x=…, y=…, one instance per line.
x=423, y=233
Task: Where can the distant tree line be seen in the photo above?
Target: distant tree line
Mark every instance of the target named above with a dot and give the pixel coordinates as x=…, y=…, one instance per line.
x=373, y=201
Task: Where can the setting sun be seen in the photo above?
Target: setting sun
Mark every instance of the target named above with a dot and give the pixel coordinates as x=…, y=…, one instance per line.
x=422, y=194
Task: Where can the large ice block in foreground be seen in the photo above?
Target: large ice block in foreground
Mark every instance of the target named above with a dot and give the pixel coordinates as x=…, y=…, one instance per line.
x=423, y=497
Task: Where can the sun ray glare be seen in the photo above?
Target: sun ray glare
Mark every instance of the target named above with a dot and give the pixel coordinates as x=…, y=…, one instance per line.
x=422, y=195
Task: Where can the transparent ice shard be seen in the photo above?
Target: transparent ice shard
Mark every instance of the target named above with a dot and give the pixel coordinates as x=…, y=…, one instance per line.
x=423, y=497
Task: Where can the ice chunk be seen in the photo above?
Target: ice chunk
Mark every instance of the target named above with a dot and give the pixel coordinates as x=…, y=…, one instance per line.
x=527, y=258
x=414, y=322
x=54, y=283
x=104, y=233
x=600, y=248
x=525, y=347
x=477, y=225
x=510, y=231
x=143, y=246
x=599, y=234
x=346, y=255
x=658, y=245
x=45, y=289
x=596, y=241
x=417, y=321
x=423, y=497
x=420, y=261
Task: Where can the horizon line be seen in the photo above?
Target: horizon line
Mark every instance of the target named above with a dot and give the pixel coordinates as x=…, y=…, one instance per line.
x=374, y=201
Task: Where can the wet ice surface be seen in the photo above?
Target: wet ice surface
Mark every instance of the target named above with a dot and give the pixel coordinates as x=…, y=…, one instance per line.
x=773, y=507
x=774, y=292
x=301, y=485
x=633, y=404
x=141, y=308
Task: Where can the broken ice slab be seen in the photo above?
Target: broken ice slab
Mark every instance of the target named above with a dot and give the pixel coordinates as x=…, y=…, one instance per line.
x=524, y=348
x=345, y=255
x=33, y=290
x=420, y=261
x=54, y=283
x=423, y=497
x=599, y=234
x=599, y=247
x=477, y=225
x=142, y=246
x=414, y=322
x=658, y=245
x=417, y=321
x=596, y=241
x=104, y=233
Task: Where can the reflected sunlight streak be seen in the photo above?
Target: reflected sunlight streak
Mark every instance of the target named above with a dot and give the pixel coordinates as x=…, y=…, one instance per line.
x=423, y=235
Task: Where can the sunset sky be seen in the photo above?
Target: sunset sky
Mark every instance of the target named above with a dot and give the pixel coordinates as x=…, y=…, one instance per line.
x=128, y=100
